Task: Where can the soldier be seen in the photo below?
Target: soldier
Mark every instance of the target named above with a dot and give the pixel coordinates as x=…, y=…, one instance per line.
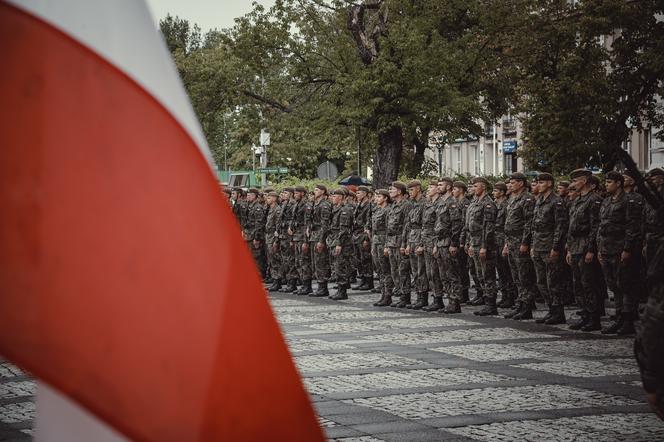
x=429, y=240
x=272, y=240
x=463, y=202
x=239, y=205
x=286, y=245
x=654, y=220
x=412, y=237
x=361, y=239
x=479, y=238
x=562, y=189
x=518, y=216
x=639, y=288
x=506, y=283
x=394, y=246
x=340, y=242
x=254, y=228
x=549, y=228
x=298, y=231
x=319, y=229
x=381, y=257
x=619, y=238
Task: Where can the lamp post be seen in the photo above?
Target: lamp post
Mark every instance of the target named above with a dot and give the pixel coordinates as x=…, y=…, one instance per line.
x=265, y=142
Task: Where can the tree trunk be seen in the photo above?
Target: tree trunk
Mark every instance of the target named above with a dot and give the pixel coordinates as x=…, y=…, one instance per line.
x=388, y=157
x=418, y=159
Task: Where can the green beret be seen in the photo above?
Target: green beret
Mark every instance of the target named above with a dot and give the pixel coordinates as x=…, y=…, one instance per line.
x=273, y=193
x=254, y=191
x=519, y=177
x=460, y=185
x=383, y=192
x=447, y=180
x=321, y=187
x=414, y=183
x=339, y=191
x=545, y=176
x=399, y=185
x=363, y=189
x=500, y=186
x=563, y=183
x=300, y=189
x=615, y=176
x=577, y=173
x=480, y=179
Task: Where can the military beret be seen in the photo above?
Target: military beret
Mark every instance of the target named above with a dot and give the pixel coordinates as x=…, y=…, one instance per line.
x=460, y=184
x=446, y=179
x=321, y=187
x=288, y=189
x=339, y=191
x=268, y=190
x=657, y=171
x=615, y=176
x=545, y=176
x=254, y=191
x=414, y=183
x=273, y=193
x=226, y=190
x=577, y=173
x=480, y=179
x=633, y=175
x=383, y=192
x=399, y=185
x=500, y=186
x=363, y=189
x=519, y=177
x=563, y=183
x=300, y=189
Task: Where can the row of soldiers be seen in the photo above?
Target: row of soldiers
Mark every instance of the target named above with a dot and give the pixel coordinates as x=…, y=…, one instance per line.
x=562, y=244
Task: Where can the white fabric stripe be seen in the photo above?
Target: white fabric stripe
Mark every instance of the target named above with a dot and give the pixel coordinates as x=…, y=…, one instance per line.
x=59, y=419
x=123, y=33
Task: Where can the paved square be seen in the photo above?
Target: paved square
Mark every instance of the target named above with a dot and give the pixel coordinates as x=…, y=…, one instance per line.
x=586, y=369
x=479, y=334
x=351, y=361
x=301, y=345
x=9, y=390
x=294, y=318
x=390, y=324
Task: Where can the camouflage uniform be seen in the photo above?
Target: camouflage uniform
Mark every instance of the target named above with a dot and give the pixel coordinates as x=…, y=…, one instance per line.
x=412, y=236
x=272, y=240
x=318, y=233
x=286, y=249
x=429, y=240
x=362, y=254
x=341, y=231
x=449, y=224
x=396, y=218
x=302, y=257
x=381, y=262
x=462, y=257
x=505, y=281
x=254, y=229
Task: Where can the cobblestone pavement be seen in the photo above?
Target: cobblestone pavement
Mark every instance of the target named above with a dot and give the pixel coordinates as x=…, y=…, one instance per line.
x=382, y=374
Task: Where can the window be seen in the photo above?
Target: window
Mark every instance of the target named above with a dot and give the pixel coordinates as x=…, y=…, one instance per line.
x=457, y=152
x=476, y=153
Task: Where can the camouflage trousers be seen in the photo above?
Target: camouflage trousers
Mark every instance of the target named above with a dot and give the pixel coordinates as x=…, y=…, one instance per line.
x=343, y=264
x=400, y=268
x=303, y=260
x=523, y=274
x=418, y=269
x=273, y=257
x=287, y=257
x=434, y=276
x=550, y=277
x=621, y=278
x=486, y=273
x=506, y=284
x=585, y=280
x=363, y=260
x=321, y=263
x=449, y=270
x=382, y=265
x=257, y=254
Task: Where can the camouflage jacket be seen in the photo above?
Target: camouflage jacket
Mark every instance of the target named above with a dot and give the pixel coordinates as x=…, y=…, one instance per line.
x=412, y=232
x=518, y=219
x=341, y=226
x=362, y=217
x=271, y=223
x=396, y=219
x=429, y=222
x=321, y=217
x=298, y=224
x=449, y=222
x=379, y=225
x=583, y=224
x=479, y=229
x=620, y=224
x=501, y=211
x=654, y=223
x=287, y=212
x=254, y=225
x=549, y=225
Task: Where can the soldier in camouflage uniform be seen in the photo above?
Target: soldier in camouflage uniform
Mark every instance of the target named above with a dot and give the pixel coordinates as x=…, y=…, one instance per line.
x=298, y=230
x=396, y=219
x=478, y=236
x=272, y=240
x=429, y=241
x=549, y=228
x=253, y=230
x=239, y=205
x=619, y=238
x=378, y=230
x=412, y=237
x=340, y=242
x=286, y=245
x=361, y=239
x=319, y=230
x=518, y=216
x=462, y=257
x=653, y=224
x=506, y=283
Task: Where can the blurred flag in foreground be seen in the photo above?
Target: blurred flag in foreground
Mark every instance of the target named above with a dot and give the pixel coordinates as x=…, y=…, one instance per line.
x=125, y=286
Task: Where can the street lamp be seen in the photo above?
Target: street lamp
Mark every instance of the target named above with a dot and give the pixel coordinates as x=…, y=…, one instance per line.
x=265, y=142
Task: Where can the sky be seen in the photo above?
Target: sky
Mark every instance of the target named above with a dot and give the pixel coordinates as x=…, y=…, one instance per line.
x=208, y=14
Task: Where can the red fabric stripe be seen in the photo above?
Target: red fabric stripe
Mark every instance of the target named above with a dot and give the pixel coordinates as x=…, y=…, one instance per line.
x=124, y=281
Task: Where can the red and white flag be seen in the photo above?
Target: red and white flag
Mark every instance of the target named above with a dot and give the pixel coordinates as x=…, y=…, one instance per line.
x=125, y=286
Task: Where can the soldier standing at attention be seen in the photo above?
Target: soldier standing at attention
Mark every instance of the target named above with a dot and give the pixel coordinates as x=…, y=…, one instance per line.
x=653, y=225
x=272, y=240
x=319, y=230
x=396, y=218
x=361, y=239
x=298, y=230
x=619, y=238
x=341, y=229
x=378, y=251
x=549, y=228
x=479, y=239
x=518, y=216
x=254, y=227
x=459, y=191
x=286, y=245
x=412, y=237
x=239, y=205
x=506, y=283
x=429, y=241
x=639, y=287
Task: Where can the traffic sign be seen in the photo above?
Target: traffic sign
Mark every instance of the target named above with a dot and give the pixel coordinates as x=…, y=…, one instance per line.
x=277, y=170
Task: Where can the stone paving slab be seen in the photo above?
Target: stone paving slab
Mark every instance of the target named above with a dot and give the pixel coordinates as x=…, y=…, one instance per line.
x=351, y=361
x=390, y=324
x=617, y=367
x=480, y=334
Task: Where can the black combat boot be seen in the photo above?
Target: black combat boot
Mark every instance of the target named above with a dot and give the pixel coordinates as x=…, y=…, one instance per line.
x=404, y=301
x=464, y=296
x=291, y=287
x=525, y=313
x=613, y=327
x=422, y=301
x=276, y=286
x=545, y=318
x=367, y=284
x=627, y=327
x=519, y=307
x=306, y=288
x=477, y=300
x=507, y=301
x=488, y=310
x=379, y=303
x=581, y=322
x=341, y=293
x=557, y=317
x=593, y=323
x=452, y=307
x=268, y=280
x=386, y=301
x=436, y=305
x=321, y=291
